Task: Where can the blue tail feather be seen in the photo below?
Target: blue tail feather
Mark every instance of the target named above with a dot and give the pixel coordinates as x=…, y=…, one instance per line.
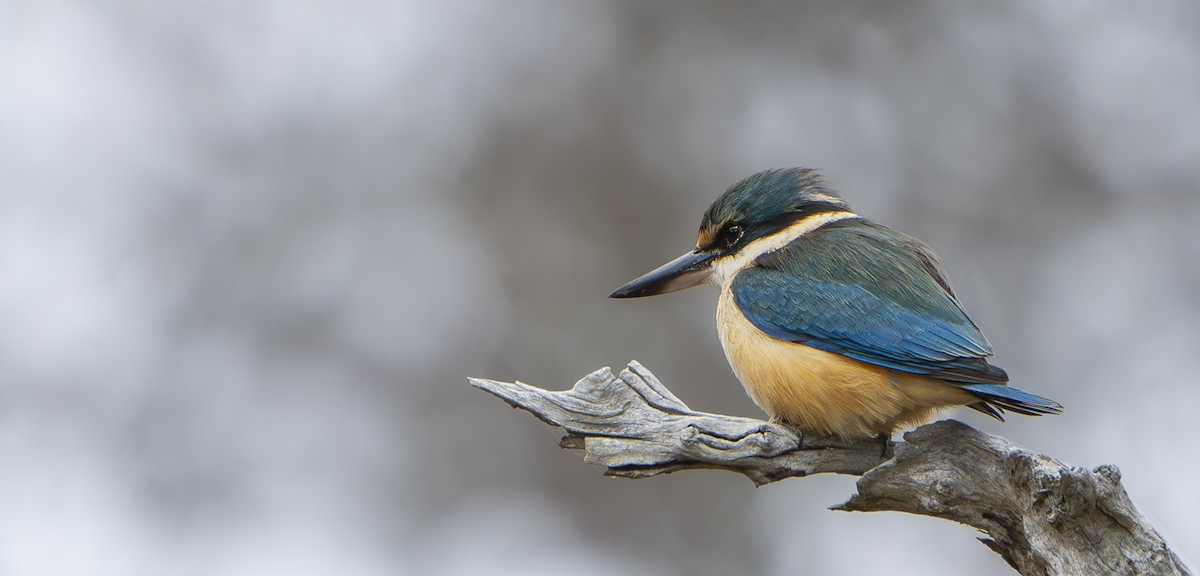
x=1012, y=399
x=985, y=408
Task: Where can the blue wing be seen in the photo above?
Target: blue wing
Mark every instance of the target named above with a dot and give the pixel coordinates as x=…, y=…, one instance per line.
x=869, y=293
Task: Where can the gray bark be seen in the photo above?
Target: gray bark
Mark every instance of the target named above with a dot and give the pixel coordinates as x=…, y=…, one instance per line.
x=1040, y=515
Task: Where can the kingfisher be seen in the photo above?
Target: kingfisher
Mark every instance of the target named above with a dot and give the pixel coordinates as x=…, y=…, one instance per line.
x=834, y=324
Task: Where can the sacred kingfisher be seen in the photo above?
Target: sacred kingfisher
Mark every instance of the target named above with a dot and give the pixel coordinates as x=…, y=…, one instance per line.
x=833, y=323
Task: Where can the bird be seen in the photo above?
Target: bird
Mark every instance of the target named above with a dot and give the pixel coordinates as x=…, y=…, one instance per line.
x=834, y=324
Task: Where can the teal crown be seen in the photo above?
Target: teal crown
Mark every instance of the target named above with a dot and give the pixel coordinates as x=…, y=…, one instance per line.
x=770, y=200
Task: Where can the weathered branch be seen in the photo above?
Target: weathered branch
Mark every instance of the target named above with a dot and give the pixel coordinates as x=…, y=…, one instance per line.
x=1042, y=516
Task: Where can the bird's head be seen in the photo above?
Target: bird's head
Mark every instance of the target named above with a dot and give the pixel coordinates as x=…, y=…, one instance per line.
x=761, y=213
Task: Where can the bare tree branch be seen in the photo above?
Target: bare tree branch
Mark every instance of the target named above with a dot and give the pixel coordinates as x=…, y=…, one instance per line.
x=1042, y=516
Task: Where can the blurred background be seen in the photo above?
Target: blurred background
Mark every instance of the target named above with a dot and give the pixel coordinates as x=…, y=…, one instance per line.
x=250, y=251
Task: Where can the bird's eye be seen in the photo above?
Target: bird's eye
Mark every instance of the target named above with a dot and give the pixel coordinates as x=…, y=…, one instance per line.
x=731, y=235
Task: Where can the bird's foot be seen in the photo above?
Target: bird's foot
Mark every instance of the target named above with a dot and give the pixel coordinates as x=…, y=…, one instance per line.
x=800, y=435
x=885, y=440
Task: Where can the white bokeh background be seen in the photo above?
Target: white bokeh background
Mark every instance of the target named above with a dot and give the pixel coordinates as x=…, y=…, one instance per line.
x=250, y=251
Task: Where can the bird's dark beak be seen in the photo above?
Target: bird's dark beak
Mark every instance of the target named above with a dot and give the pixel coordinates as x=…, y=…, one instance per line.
x=686, y=271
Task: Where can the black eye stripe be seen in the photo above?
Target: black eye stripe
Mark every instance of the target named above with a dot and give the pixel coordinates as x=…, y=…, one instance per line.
x=731, y=234
x=797, y=215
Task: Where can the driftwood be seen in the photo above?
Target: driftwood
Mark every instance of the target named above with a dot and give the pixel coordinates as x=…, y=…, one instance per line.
x=1042, y=516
